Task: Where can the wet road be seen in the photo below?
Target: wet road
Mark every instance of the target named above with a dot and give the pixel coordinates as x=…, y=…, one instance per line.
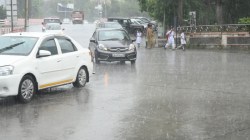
x=166, y=95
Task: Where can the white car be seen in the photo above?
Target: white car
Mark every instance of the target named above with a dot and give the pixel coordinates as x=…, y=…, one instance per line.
x=32, y=61
x=54, y=28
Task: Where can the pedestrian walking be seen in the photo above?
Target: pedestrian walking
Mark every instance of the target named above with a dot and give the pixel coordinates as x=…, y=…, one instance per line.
x=138, y=37
x=170, y=39
x=150, y=36
x=183, y=41
x=43, y=27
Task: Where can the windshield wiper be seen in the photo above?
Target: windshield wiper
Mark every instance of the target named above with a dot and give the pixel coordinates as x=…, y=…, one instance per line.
x=10, y=47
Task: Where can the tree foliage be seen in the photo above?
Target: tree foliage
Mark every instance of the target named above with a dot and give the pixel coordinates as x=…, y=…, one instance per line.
x=207, y=11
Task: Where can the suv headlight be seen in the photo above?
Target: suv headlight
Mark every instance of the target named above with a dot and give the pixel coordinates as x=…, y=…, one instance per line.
x=131, y=47
x=102, y=47
x=6, y=70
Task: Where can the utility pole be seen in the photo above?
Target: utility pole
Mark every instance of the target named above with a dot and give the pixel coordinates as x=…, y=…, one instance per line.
x=11, y=15
x=26, y=15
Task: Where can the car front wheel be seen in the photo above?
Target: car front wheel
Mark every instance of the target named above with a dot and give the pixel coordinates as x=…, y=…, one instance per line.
x=81, y=78
x=27, y=88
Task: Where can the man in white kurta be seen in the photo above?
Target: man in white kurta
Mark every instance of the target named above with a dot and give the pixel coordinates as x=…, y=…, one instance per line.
x=171, y=41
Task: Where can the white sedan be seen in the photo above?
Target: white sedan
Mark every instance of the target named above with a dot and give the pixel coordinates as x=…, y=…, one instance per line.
x=33, y=61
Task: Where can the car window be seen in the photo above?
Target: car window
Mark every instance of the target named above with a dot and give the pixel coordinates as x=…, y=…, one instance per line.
x=49, y=45
x=17, y=45
x=51, y=20
x=66, y=45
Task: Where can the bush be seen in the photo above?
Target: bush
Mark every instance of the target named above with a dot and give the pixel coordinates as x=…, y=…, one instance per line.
x=245, y=20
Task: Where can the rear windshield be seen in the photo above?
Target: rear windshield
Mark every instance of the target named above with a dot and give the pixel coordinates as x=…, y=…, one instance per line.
x=51, y=20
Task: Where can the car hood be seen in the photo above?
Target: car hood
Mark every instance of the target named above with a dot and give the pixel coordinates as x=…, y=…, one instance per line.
x=118, y=43
x=9, y=60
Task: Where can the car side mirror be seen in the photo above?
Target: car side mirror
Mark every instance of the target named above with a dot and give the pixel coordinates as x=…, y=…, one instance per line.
x=92, y=40
x=43, y=53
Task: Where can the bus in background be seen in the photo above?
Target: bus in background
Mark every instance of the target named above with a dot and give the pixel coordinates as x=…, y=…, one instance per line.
x=77, y=17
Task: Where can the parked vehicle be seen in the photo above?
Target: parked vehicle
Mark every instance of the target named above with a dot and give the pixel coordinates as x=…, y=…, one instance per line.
x=146, y=20
x=108, y=44
x=32, y=61
x=77, y=17
x=109, y=25
x=127, y=24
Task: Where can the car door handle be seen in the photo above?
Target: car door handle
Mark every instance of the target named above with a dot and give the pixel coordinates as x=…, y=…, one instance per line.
x=59, y=60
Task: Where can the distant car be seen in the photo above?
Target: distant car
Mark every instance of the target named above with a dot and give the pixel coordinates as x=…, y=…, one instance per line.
x=54, y=28
x=32, y=61
x=66, y=21
x=109, y=44
x=109, y=25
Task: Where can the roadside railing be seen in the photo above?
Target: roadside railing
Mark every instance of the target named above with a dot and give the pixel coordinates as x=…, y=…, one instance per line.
x=216, y=28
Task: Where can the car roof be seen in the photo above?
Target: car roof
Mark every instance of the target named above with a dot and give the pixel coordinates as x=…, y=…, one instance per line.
x=117, y=18
x=33, y=34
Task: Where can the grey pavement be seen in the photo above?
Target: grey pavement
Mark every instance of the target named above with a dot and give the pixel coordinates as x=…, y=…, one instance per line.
x=166, y=95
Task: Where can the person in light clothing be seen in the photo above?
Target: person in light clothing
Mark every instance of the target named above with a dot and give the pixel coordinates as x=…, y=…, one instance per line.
x=183, y=41
x=138, y=37
x=170, y=36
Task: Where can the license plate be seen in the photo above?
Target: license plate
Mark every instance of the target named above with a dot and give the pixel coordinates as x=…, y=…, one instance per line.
x=118, y=55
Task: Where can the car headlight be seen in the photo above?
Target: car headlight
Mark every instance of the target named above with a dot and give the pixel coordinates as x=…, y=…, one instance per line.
x=131, y=47
x=102, y=47
x=6, y=70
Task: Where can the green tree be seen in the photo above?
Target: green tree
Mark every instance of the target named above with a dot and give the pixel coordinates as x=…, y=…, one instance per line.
x=207, y=11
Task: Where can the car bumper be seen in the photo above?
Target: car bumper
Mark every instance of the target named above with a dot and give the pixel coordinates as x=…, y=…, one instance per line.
x=116, y=56
x=9, y=85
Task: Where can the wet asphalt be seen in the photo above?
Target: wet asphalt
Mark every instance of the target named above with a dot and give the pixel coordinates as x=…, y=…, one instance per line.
x=165, y=95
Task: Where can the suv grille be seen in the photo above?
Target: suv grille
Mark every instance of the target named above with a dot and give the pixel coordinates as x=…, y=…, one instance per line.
x=118, y=49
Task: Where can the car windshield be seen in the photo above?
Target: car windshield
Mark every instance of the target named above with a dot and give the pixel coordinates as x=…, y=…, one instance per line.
x=113, y=25
x=106, y=35
x=13, y=45
x=53, y=26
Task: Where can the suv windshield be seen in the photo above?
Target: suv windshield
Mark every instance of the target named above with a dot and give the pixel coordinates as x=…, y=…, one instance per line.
x=112, y=35
x=13, y=45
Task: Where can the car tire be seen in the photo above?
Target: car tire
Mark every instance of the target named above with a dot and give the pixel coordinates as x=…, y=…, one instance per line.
x=27, y=89
x=81, y=78
x=132, y=61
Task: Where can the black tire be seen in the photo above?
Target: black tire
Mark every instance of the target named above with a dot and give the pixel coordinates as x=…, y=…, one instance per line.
x=81, y=78
x=27, y=89
x=132, y=61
